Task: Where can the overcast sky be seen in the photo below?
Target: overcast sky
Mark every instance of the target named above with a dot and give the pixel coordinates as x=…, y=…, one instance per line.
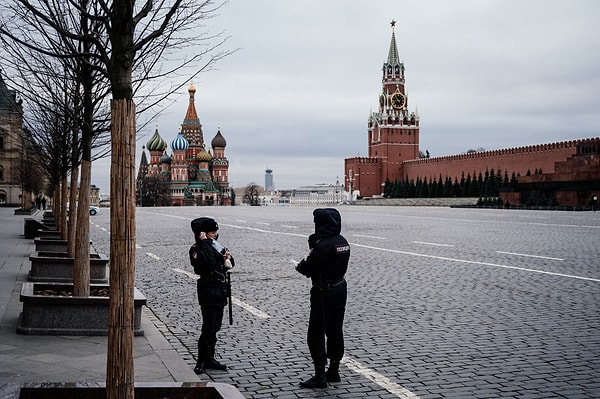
x=297, y=94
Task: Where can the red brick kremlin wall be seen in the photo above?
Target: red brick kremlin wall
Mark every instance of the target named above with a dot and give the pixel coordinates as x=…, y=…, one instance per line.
x=518, y=160
x=366, y=175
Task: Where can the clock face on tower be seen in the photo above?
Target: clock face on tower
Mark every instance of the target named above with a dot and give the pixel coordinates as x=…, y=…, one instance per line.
x=398, y=100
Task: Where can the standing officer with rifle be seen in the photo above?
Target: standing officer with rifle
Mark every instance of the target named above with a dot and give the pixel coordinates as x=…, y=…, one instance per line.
x=326, y=265
x=212, y=262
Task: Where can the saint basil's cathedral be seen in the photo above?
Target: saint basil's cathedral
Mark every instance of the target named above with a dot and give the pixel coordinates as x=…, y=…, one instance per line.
x=191, y=174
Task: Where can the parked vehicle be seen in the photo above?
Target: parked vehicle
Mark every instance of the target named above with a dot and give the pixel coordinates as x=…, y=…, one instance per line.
x=94, y=210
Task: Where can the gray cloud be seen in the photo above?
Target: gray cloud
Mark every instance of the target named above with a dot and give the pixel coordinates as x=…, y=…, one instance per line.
x=482, y=74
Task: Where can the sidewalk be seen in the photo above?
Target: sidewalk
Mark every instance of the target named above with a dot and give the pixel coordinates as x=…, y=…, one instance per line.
x=31, y=358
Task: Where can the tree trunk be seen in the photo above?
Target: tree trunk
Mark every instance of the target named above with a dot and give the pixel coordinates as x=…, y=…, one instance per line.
x=119, y=373
x=55, y=204
x=61, y=222
x=81, y=272
x=72, y=224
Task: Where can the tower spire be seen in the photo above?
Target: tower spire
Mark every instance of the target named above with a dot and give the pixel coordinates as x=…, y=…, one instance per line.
x=393, y=58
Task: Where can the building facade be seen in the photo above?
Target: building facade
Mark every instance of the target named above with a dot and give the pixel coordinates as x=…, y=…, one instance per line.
x=11, y=146
x=21, y=180
x=317, y=194
x=393, y=154
x=191, y=174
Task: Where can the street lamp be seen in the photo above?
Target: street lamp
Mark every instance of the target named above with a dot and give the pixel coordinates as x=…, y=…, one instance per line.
x=350, y=181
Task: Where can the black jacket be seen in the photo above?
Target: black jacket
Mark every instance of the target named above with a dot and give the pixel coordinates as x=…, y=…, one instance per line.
x=329, y=251
x=209, y=264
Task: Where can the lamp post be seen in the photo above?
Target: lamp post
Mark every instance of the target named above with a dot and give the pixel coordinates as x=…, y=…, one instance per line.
x=350, y=181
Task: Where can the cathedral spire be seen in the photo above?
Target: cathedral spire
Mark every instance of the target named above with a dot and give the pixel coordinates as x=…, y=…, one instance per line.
x=191, y=128
x=191, y=116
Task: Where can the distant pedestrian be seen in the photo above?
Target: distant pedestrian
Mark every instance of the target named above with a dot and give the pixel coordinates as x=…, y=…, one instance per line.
x=38, y=202
x=211, y=261
x=326, y=265
x=44, y=203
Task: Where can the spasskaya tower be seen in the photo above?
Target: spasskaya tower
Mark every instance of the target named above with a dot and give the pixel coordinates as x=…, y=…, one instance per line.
x=393, y=133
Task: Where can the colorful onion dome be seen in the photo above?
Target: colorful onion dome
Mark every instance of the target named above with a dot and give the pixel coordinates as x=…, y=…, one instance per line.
x=203, y=156
x=218, y=140
x=179, y=143
x=165, y=158
x=156, y=143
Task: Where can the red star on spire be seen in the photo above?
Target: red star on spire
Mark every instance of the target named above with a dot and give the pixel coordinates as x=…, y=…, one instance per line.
x=393, y=23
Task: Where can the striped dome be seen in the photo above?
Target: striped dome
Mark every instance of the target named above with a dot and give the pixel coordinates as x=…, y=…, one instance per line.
x=156, y=143
x=179, y=143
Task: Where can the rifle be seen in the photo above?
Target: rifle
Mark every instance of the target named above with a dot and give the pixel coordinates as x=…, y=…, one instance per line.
x=323, y=317
x=229, y=298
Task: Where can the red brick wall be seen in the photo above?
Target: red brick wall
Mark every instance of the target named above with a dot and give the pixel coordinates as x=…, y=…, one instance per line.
x=366, y=175
x=518, y=160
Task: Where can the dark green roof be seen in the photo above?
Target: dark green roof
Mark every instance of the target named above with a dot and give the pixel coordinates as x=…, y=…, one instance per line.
x=8, y=98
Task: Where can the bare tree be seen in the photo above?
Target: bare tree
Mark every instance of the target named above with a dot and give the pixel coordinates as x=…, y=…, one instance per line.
x=69, y=97
x=29, y=174
x=50, y=133
x=136, y=37
x=252, y=195
x=479, y=149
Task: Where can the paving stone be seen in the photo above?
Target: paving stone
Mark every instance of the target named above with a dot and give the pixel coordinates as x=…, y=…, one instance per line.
x=474, y=319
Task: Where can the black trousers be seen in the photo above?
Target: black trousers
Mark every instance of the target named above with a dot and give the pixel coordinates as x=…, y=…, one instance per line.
x=212, y=319
x=325, y=335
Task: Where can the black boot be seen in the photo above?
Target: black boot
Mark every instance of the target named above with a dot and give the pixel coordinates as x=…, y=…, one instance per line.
x=318, y=380
x=199, y=369
x=214, y=365
x=211, y=363
x=333, y=372
x=202, y=355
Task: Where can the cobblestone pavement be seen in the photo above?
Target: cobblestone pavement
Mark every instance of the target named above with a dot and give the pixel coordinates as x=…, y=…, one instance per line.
x=443, y=303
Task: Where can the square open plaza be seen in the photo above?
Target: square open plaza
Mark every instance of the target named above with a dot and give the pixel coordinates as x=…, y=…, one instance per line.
x=442, y=302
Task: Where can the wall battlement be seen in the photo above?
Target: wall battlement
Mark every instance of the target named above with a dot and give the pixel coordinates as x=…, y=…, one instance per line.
x=366, y=160
x=517, y=160
x=506, y=152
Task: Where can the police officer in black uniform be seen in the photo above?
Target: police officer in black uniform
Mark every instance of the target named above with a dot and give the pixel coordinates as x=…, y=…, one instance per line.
x=211, y=261
x=326, y=265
